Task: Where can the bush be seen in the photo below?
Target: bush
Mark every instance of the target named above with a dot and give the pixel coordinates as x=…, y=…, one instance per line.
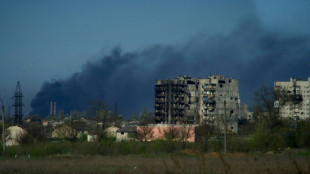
x=303, y=134
x=158, y=146
x=83, y=138
x=238, y=144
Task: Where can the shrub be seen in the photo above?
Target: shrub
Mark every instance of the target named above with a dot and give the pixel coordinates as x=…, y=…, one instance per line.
x=238, y=144
x=303, y=134
x=83, y=138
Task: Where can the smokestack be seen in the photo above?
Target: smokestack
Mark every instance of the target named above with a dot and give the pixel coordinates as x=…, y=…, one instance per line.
x=54, y=108
x=51, y=108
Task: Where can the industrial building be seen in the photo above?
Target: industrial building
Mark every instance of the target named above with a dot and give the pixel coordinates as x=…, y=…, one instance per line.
x=299, y=89
x=213, y=100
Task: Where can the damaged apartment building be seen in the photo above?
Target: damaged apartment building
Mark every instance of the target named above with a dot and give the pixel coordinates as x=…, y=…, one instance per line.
x=299, y=107
x=214, y=100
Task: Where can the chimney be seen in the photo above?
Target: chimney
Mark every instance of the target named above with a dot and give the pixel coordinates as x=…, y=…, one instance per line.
x=51, y=108
x=54, y=108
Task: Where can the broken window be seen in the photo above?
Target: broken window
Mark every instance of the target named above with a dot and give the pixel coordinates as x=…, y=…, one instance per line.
x=190, y=82
x=231, y=112
x=222, y=81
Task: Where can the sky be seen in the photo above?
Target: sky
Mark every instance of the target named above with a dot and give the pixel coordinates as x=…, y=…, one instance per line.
x=72, y=52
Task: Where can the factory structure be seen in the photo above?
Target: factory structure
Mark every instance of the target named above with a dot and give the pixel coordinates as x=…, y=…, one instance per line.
x=299, y=107
x=53, y=108
x=213, y=100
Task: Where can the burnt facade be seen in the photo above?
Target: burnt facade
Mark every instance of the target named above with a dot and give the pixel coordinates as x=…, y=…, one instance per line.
x=172, y=100
x=213, y=100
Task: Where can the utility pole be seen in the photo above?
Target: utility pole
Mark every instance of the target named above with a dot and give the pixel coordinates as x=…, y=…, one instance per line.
x=3, y=135
x=225, y=131
x=227, y=91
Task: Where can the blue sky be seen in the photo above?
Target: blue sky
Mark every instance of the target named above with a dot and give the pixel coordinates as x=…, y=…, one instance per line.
x=46, y=40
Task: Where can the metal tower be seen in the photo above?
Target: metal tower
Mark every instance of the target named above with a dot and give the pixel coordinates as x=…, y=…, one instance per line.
x=18, y=104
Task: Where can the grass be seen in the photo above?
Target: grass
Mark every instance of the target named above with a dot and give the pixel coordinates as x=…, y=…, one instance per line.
x=186, y=161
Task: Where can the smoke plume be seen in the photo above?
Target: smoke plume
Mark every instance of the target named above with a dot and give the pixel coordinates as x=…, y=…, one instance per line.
x=249, y=53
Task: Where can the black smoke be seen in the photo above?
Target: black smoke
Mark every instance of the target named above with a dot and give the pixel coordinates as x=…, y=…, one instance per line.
x=250, y=53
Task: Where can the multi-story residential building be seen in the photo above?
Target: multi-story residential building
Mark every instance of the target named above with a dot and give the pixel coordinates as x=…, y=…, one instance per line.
x=213, y=100
x=174, y=100
x=299, y=107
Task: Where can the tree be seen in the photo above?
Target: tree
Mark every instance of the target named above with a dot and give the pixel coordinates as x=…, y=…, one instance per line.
x=103, y=118
x=171, y=133
x=60, y=116
x=65, y=131
x=75, y=115
x=185, y=132
x=204, y=132
x=303, y=133
x=34, y=118
x=71, y=129
x=135, y=116
x=79, y=125
x=270, y=129
x=35, y=132
x=147, y=117
x=266, y=99
x=145, y=133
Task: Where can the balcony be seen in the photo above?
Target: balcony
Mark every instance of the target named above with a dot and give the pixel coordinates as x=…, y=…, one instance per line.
x=208, y=100
x=158, y=101
x=158, y=106
x=159, y=89
x=209, y=86
x=159, y=112
x=160, y=94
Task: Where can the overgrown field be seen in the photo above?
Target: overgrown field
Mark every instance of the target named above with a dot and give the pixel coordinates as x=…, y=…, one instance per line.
x=184, y=161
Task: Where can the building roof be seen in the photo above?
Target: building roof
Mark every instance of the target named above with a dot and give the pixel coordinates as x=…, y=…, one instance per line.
x=128, y=128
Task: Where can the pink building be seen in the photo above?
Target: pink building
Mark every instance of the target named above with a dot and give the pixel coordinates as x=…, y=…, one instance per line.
x=161, y=131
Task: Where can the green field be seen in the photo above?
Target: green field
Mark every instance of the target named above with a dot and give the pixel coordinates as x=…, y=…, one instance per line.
x=186, y=161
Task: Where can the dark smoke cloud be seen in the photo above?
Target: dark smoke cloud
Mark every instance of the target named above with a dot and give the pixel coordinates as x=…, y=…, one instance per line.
x=250, y=53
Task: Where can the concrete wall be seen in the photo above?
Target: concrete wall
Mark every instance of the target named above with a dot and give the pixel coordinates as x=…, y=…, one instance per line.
x=160, y=129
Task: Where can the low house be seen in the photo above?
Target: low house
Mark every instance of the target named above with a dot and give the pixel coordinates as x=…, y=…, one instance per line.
x=44, y=123
x=125, y=133
x=92, y=138
x=111, y=131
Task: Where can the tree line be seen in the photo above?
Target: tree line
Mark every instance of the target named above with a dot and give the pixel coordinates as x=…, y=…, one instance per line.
x=268, y=131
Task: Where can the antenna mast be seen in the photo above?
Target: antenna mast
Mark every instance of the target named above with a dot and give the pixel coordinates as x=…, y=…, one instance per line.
x=18, y=104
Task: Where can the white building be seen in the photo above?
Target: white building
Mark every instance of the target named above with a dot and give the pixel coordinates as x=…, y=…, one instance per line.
x=124, y=133
x=299, y=108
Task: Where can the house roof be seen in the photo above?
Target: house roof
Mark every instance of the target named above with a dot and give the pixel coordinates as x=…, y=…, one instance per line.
x=128, y=128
